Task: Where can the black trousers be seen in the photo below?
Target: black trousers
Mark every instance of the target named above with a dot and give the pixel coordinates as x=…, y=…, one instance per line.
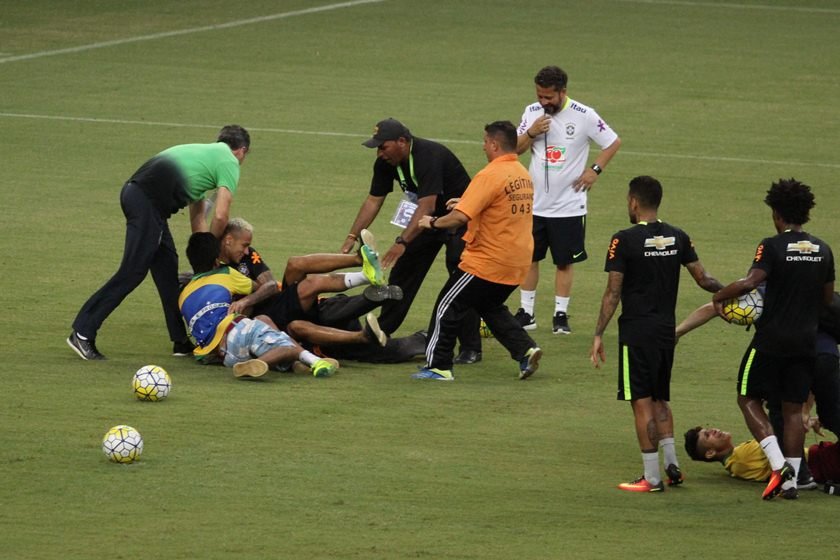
x=148, y=247
x=411, y=270
x=465, y=293
x=825, y=384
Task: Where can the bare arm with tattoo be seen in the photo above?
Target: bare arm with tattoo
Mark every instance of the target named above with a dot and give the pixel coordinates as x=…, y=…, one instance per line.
x=609, y=303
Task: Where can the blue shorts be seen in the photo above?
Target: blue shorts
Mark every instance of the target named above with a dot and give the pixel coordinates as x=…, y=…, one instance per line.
x=251, y=338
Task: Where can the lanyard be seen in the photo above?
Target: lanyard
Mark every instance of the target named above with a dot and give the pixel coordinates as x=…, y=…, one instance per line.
x=403, y=183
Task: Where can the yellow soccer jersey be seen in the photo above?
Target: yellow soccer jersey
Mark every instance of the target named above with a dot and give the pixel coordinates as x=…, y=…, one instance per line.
x=748, y=462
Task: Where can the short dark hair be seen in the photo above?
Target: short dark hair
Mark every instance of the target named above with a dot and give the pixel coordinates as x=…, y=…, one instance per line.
x=791, y=200
x=552, y=76
x=504, y=133
x=203, y=249
x=647, y=191
x=234, y=136
x=692, y=437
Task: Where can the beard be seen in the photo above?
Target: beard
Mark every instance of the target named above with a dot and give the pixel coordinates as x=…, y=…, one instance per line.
x=550, y=108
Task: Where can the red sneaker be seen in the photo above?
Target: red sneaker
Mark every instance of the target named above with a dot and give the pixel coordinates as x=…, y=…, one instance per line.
x=778, y=478
x=641, y=484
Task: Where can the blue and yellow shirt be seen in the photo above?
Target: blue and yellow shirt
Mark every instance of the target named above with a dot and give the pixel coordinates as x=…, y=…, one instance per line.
x=205, y=304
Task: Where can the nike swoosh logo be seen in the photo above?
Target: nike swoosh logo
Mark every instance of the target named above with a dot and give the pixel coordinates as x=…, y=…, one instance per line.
x=577, y=255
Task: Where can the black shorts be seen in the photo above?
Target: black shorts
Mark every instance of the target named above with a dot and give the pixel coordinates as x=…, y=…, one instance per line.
x=282, y=308
x=764, y=376
x=564, y=236
x=644, y=372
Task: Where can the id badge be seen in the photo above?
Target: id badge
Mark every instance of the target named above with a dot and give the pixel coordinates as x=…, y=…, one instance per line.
x=404, y=212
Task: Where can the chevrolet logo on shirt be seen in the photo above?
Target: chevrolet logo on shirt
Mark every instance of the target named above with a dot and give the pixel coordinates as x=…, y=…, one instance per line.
x=805, y=249
x=660, y=244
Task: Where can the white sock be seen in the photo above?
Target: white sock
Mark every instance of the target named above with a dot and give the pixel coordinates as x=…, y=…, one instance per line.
x=651, y=463
x=771, y=448
x=795, y=462
x=353, y=279
x=526, y=300
x=669, y=451
x=308, y=357
x=561, y=304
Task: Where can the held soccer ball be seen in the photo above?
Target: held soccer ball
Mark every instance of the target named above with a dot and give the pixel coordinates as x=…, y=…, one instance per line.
x=122, y=444
x=745, y=309
x=484, y=330
x=151, y=383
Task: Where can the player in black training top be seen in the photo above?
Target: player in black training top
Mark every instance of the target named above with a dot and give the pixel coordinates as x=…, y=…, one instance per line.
x=798, y=269
x=644, y=264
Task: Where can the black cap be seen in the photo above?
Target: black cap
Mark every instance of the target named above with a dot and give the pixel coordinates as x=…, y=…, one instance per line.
x=389, y=129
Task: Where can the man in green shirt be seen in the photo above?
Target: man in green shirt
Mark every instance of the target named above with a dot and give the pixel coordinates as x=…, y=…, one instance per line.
x=175, y=178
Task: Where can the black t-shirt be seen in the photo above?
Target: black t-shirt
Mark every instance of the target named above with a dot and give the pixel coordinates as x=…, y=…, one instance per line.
x=437, y=171
x=798, y=265
x=650, y=256
x=251, y=264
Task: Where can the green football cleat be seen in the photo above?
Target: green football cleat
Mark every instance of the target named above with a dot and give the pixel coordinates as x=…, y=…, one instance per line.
x=370, y=266
x=323, y=368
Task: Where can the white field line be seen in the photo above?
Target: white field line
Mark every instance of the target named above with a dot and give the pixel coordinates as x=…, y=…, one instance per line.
x=732, y=5
x=175, y=33
x=443, y=140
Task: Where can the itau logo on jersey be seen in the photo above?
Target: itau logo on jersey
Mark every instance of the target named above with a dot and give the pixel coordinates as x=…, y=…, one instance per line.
x=555, y=156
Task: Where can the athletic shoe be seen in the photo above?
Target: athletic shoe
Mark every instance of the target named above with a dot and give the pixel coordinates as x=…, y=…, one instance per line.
x=372, y=330
x=777, y=478
x=183, y=348
x=371, y=267
x=641, y=485
x=806, y=483
x=367, y=238
x=529, y=364
x=300, y=367
x=561, y=324
x=526, y=321
x=250, y=368
x=382, y=293
x=85, y=348
x=324, y=368
x=790, y=493
x=467, y=357
x=675, y=475
x=434, y=373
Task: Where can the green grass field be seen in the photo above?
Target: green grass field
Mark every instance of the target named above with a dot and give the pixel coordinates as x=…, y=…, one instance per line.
x=716, y=99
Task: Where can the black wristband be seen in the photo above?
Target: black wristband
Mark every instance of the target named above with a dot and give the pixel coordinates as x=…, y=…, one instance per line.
x=399, y=240
x=597, y=169
x=529, y=135
x=432, y=222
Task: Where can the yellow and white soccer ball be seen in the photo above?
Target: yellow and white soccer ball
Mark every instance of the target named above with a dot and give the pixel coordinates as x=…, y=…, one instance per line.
x=151, y=383
x=122, y=444
x=745, y=309
x=484, y=330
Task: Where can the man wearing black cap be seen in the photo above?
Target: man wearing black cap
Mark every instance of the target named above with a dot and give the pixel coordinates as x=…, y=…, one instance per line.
x=429, y=175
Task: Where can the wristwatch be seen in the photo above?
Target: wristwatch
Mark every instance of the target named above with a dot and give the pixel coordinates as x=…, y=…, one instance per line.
x=400, y=241
x=596, y=168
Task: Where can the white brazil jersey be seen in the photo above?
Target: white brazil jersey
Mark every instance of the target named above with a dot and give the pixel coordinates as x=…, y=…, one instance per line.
x=560, y=156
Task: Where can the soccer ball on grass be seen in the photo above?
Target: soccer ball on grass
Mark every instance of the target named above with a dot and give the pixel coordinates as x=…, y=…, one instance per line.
x=151, y=383
x=745, y=309
x=122, y=444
